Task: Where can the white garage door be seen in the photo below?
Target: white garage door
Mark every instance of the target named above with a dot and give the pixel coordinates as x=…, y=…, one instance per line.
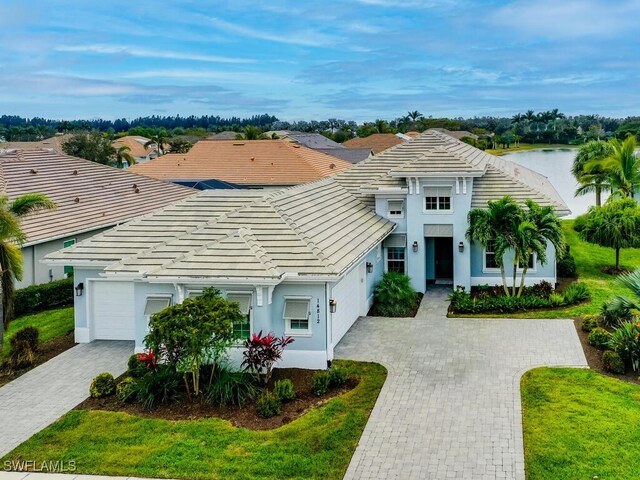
x=113, y=312
x=350, y=294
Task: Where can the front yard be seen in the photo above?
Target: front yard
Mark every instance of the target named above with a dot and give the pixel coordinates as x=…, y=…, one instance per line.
x=579, y=424
x=318, y=444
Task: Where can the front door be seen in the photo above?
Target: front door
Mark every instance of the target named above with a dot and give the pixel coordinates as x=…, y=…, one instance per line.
x=443, y=253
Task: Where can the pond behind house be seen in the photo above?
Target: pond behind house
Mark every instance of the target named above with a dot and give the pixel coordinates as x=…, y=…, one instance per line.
x=555, y=164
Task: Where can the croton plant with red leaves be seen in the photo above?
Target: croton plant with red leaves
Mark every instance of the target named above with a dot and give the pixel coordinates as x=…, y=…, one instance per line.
x=261, y=353
x=149, y=359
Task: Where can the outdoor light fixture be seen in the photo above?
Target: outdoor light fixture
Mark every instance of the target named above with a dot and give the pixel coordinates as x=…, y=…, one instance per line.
x=79, y=289
x=461, y=247
x=332, y=306
x=369, y=267
x=415, y=245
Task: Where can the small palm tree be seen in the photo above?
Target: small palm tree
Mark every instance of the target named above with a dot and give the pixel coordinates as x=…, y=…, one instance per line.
x=622, y=167
x=11, y=239
x=596, y=179
x=123, y=154
x=159, y=139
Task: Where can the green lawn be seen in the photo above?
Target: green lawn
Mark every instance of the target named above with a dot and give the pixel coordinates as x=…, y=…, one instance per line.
x=527, y=146
x=51, y=323
x=579, y=424
x=317, y=445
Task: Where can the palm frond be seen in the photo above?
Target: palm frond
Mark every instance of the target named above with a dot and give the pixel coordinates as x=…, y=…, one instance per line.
x=30, y=203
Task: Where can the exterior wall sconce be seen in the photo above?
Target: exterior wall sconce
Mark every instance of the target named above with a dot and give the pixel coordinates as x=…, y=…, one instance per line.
x=79, y=289
x=369, y=267
x=461, y=247
x=415, y=245
x=332, y=306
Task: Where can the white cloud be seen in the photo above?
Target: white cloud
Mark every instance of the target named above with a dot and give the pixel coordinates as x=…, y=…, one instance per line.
x=101, y=49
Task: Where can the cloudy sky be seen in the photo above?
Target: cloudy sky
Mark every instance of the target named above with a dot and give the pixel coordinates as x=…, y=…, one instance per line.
x=357, y=59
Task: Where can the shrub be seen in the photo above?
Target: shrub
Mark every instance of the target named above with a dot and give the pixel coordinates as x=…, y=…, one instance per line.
x=394, y=296
x=35, y=298
x=261, y=353
x=576, y=293
x=268, y=405
x=541, y=289
x=23, y=347
x=230, y=388
x=613, y=314
x=126, y=390
x=599, y=337
x=556, y=300
x=624, y=341
x=321, y=382
x=158, y=387
x=102, y=385
x=338, y=376
x=135, y=367
x=580, y=223
x=589, y=322
x=284, y=390
x=566, y=266
x=612, y=362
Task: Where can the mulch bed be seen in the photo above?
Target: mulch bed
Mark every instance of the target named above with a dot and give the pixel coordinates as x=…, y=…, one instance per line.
x=594, y=357
x=616, y=271
x=246, y=416
x=46, y=351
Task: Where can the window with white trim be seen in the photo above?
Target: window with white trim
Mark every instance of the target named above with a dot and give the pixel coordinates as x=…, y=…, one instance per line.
x=396, y=259
x=395, y=208
x=297, y=313
x=490, y=261
x=242, y=328
x=437, y=198
x=532, y=262
x=156, y=304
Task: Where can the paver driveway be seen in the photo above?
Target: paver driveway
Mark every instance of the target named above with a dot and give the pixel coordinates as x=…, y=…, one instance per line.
x=450, y=407
x=41, y=396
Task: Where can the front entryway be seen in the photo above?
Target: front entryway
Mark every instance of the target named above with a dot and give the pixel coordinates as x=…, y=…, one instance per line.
x=443, y=259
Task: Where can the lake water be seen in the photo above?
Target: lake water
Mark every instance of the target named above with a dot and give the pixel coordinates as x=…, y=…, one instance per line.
x=555, y=164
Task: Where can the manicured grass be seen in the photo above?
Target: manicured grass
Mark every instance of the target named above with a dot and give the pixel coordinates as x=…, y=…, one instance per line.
x=579, y=424
x=51, y=323
x=317, y=445
x=527, y=146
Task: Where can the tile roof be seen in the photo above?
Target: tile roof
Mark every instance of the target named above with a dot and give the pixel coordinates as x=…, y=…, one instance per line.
x=244, y=162
x=50, y=144
x=226, y=135
x=312, y=140
x=351, y=155
x=135, y=144
x=378, y=142
x=314, y=229
x=88, y=195
x=458, y=134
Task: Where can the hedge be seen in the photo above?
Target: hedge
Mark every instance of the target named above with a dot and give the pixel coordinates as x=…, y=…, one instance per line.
x=45, y=296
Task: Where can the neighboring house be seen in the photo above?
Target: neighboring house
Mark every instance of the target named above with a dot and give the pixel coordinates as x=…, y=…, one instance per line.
x=52, y=144
x=304, y=261
x=137, y=147
x=320, y=143
x=244, y=163
x=458, y=134
x=351, y=155
x=89, y=197
x=378, y=142
x=226, y=135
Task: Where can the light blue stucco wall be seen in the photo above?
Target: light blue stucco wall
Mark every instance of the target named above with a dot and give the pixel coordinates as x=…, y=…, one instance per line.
x=376, y=257
x=80, y=275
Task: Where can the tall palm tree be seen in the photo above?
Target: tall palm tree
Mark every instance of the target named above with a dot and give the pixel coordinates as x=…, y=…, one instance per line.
x=596, y=179
x=123, y=154
x=622, y=166
x=415, y=115
x=496, y=226
x=11, y=239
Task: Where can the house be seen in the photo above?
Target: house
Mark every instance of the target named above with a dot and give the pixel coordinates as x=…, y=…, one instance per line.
x=320, y=143
x=303, y=261
x=137, y=147
x=90, y=198
x=459, y=134
x=52, y=144
x=378, y=142
x=225, y=135
x=244, y=163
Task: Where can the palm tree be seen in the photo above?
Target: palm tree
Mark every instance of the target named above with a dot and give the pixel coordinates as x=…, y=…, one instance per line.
x=538, y=227
x=11, y=239
x=496, y=226
x=415, y=115
x=159, y=139
x=123, y=154
x=622, y=167
x=596, y=179
x=250, y=133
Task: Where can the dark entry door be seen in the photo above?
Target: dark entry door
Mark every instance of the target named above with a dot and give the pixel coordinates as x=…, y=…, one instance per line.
x=443, y=247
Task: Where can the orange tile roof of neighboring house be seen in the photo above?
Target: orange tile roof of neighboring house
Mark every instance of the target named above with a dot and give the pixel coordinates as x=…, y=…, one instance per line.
x=88, y=195
x=376, y=142
x=244, y=162
x=135, y=144
x=412, y=134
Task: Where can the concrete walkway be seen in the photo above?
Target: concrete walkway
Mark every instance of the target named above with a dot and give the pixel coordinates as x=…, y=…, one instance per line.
x=450, y=407
x=41, y=396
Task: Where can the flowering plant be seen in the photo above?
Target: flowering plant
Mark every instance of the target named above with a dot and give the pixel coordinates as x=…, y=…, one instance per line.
x=261, y=353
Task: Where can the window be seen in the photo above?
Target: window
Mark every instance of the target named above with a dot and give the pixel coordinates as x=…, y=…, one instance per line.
x=490, y=256
x=194, y=293
x=68, y=270
x=156, y=304
x=242, y=329
x=395, y=259
x=296, y=315
x=395, y=208
x=437, y=198
x=532, y=262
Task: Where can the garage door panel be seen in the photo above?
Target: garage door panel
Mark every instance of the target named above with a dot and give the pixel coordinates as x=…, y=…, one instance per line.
x=350, y=294
x=113, y=310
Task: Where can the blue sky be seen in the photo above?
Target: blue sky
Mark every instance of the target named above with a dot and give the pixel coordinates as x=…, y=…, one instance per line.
x=358, y=59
